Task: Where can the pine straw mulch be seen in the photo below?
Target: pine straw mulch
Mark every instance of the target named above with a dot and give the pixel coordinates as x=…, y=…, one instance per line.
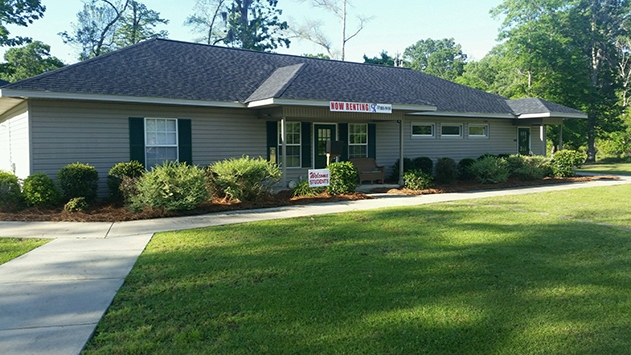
x=115, y=213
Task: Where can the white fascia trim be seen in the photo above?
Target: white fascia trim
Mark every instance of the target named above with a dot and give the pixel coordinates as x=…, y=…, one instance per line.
x=464, y=114
x=24, y=94
x=315, y=103
x=552, y=115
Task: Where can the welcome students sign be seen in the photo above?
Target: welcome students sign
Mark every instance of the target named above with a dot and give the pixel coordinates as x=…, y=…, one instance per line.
x=319, y=177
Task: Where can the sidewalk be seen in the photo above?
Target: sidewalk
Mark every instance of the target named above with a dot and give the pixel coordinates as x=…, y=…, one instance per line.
x=52, y=298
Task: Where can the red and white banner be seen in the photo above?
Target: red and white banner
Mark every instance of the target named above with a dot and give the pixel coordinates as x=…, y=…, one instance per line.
x=341, y=106
x=319, y=178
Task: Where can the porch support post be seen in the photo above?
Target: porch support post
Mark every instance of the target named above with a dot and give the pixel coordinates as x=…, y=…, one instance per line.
x=283, y=140
x=401, y=151
x=561, y=136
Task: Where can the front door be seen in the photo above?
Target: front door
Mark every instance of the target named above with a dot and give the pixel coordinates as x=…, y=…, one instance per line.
x=523, y=141
x=321, y=134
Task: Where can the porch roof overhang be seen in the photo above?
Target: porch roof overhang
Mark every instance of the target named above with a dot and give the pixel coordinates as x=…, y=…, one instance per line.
x=547, y=118
x=464, y=114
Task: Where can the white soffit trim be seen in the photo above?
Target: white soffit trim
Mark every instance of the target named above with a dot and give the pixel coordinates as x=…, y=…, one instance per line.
x=7, y=103
x=552, y=115
x=115, y=98
x=316, y=103
x=463, y=114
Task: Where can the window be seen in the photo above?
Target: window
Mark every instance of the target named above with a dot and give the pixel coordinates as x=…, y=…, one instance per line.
x=422, y=130
x=161, y=143
x=451, y=130
x=293, y=136
x=478, y=131
x=357, y=140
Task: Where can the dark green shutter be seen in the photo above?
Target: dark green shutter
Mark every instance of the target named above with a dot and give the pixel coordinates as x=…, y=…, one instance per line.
x=343, y=134
x=137, y=139
x=272, y=138
x=372, y=140
x=306, y=144
x=185, y=141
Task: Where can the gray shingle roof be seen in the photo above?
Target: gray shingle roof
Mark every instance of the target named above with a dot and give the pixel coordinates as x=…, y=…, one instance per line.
x=535, y=106
x=179, y=70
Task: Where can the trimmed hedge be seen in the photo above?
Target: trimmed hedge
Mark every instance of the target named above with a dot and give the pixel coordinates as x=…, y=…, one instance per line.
x=344, y=178
x=132, y=169
x=490, y=170
x=78, y=180
x=10, y=191
x=40, y=190
x=417, y=180
x=446, y=170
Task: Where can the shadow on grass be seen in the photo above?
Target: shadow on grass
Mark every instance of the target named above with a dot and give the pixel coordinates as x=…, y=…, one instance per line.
x=450, y=279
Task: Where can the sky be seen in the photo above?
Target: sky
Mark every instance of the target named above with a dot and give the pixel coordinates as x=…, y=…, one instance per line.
x=394, y=25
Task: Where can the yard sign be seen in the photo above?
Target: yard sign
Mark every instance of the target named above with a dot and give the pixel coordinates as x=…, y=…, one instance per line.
x=319, y=177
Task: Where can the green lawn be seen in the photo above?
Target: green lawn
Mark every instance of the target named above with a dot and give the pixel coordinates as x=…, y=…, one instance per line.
x=11, y=248
x=617, y=169
x=512, y=275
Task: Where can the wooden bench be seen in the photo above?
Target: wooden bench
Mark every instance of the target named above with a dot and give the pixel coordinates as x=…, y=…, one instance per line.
x=368, y=170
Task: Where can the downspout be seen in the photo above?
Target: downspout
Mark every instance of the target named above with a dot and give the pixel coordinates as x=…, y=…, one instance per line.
x=401, y=151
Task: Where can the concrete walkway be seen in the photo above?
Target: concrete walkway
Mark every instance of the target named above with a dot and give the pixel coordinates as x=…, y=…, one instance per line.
x=52, y=298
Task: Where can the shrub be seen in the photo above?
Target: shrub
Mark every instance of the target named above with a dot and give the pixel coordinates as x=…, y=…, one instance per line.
x=132, y=169
x=490, y=170
x=10, y=191
x=303, y=189
x=78, y=180
x=244, y=178
x=534, y=168
x=40, y=190
x=516, y=161
x=424, y=164
x=463, y=169
x=77, y=204
x=564, y=161
x=407, y=164
x=172, y=186
x=446, y=170
x=417, y=180
x=344, y=178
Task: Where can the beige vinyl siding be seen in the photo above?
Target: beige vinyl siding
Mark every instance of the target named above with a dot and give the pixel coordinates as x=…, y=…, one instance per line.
x=64, y=132
x=538, y=140
x=14, y=141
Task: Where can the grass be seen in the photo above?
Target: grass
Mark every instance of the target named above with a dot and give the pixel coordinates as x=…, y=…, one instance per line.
x=616, y=169
x=494, y=276
x=11, y=248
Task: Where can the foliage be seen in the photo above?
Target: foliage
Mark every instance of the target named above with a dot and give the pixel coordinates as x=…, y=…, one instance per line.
x=171, y=186
x=442, y=58
x=344, y=177
x=138, y=24
x=532, y=168
x=516, y=161
x=565, y=161
x=464, y=173
x=255, y=25
x=303, y=189
x=206, y=20
x=417, y=180
x=446, y=170
x=244, y=178
x=28, y=61
x=383, y=59
x=77, y=204
x=132, y=169
x=615, y=144
x=78, y=180
x=18, y=13
x=424, y=164
x=40, y=190
x=10, y=191
x=490, y=170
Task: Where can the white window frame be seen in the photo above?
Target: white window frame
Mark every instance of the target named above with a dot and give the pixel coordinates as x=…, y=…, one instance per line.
x=350, y=132
x=478, y=136
x=432, y=125
x=460, y=128
x=299, y=144
x=176, y=145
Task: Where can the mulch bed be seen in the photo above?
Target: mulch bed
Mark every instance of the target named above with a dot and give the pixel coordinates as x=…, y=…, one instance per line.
x=114, y=213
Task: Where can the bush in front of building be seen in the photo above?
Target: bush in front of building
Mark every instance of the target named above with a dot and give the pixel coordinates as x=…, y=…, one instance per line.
x=77, y=204
x=244, y=179
x=407, y=164
x=40, y=190
x=303, y=189
x=417, y=180
x=424, y=164
x=446, y=170
x=171, y=186
x=10, y=191
x=78, y=180
x=132, y=169
x=516, y=161
x=464, y=173
x=490, y=170
x=564, y=162
x=344, y=178
x=534, y=167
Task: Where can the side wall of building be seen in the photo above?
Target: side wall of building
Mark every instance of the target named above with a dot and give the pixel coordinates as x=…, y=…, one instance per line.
x=15, y=142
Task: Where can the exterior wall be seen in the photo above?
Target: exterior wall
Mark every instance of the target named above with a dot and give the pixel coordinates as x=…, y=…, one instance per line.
x=15, y=142
x=64, y=132
x=538, y=140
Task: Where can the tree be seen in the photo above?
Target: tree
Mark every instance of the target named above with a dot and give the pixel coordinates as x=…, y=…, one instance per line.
x=255, y=24
x=137, y=24
x=206, y=20
x=20, y=13
x=312, y=29
x=317, y=56
x=383, y=59
x=28, y=61
x=442, y=58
